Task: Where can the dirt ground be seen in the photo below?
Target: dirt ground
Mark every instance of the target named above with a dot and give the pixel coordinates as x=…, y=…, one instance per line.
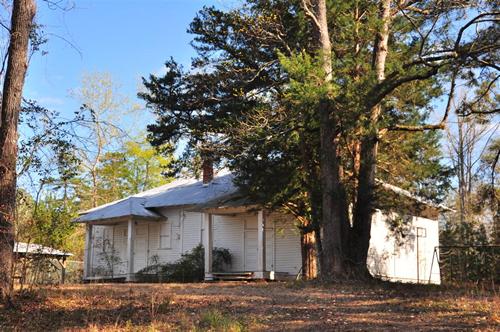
x=255, y=306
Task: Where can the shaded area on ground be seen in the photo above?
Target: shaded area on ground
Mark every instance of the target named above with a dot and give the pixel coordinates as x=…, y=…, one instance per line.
x=252, y=306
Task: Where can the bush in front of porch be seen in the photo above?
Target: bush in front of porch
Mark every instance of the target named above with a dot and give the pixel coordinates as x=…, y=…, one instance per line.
x=188, y=268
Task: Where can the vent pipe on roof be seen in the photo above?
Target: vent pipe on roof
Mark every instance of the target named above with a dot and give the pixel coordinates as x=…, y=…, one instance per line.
x=208, y=171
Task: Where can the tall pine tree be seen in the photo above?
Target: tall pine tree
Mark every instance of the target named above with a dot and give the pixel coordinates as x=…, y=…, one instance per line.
x=304, y=99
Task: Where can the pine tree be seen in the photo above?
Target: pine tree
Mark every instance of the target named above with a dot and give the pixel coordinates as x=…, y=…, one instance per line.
x=304, y=99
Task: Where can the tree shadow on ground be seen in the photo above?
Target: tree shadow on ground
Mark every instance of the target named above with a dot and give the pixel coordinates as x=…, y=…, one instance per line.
x=274, y=306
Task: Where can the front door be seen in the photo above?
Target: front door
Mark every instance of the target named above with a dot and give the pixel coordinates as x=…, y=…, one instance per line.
x=421, y=250
x=140, y=247
x=250, y=244
x=250, y=263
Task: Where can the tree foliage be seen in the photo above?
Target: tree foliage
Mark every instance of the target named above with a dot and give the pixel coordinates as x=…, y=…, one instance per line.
x=254, y=94
x=129, y=169
x=48, y=222
x=62, y=171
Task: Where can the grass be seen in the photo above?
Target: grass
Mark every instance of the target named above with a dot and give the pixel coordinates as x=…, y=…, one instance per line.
x=253, y=307
x=215, y=320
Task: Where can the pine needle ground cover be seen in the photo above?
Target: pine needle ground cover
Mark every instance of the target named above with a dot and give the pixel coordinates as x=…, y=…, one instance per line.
x=255, y=306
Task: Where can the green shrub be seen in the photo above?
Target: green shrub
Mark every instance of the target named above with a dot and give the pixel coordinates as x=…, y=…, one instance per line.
x=214, y=320
x=221, y=259
x=189, y=268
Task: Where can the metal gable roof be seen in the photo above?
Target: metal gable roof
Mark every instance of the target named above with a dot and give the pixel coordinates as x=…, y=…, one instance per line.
x=180, y=192
x=191, y=192
x=194, y=192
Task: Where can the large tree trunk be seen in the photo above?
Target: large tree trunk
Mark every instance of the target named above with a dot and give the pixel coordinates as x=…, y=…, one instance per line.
x=310, y=233
x=23, y=13
x=334, y=222
x=360, y=235
x=309, y=255
x=332, y=255
x=311, y=237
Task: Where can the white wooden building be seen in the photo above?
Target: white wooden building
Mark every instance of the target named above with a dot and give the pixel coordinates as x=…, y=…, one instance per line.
x=161, y=224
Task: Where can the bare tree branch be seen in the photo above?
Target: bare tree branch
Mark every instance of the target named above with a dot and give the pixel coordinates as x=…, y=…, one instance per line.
x=442, y=123
x=310, y=14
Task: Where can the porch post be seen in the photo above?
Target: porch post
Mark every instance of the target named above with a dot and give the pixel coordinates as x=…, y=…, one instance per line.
x=87, y=266
x=208, y=244
x=130, y=249
x=261, y=245
x=63, y=270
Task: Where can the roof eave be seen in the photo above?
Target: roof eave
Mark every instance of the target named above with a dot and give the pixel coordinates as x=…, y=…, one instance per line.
x=119, y=219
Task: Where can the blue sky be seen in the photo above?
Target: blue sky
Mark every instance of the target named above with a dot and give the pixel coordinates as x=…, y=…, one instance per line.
x=127, y=38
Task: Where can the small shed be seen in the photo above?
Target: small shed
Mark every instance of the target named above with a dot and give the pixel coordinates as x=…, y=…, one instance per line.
x=25, y=253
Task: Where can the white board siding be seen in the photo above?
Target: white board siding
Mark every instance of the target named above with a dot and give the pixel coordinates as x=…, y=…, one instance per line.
x=96, y=249
x=120, y=247
x=235, y=232
x=396, y=261
x=141, y=238
x=115, y=255
x=102, y=238
x=250, y=257
x=172, y=223
x=270, y=247
x=250, y=243
x=238, y=233
x=191, y=230
x=154, y=243
x=288, y=257
x=228, y=232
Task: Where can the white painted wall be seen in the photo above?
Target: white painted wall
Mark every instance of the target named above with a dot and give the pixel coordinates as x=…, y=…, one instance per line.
x=287, y=245
x=165, y=241
x=400, y=260
x=165, y=238
x=120, y=245
x=228, y=232
x=191, y=230
x=238, y=233
x=182, y=231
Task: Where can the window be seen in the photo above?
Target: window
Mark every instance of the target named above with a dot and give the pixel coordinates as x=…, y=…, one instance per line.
x=107, y=237
x=421, y=232
x=166, y=235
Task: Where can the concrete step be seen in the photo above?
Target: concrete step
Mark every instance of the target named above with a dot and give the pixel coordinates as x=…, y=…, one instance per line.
x=233, y=275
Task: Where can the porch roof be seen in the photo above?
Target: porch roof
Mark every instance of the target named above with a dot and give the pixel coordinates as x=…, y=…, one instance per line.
x=130, y=206
x=229, y=202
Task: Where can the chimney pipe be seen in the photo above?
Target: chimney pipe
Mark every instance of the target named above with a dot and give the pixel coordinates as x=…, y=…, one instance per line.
x=208, y=171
